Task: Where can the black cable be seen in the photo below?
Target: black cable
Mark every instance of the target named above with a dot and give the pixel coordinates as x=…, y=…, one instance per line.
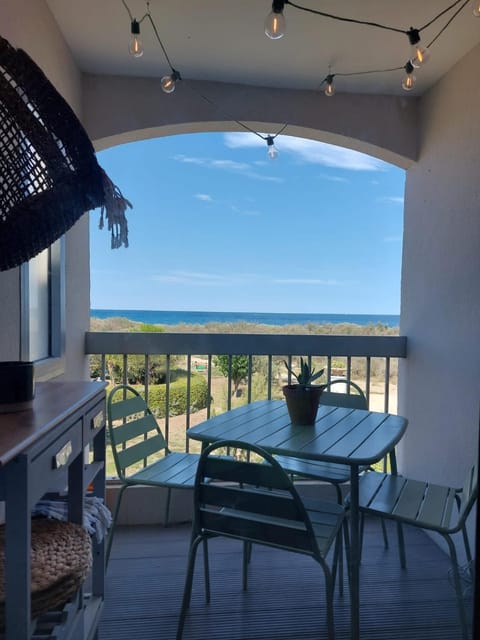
x=160, y=41
x=368, y=23
x=342, y=19
x=443, y=13
x=229, y=116
x=449, y=22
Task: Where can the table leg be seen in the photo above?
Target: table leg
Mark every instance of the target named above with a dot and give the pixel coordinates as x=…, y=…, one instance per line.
x=354, y=559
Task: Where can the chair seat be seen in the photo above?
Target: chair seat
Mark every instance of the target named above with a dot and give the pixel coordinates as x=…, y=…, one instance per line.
x=426, y=505
x=175, y=469
x=326, y=471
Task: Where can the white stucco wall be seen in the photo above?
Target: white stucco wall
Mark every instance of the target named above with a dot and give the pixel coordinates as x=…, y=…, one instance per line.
x=440, y=308
x=28, y=24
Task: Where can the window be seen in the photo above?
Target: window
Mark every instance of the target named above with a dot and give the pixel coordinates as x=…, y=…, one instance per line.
x=42, y=317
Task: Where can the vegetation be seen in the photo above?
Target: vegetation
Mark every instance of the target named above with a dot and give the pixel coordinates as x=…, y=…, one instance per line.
x=307, y=373
x=345, y=328
x=178, y=396
x=238, y=369
x=135, y=370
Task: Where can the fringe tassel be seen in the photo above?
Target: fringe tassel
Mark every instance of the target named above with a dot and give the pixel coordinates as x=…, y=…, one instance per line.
x=114, y=207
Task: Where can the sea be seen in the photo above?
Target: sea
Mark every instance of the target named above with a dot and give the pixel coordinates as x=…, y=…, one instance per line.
x=151, y=316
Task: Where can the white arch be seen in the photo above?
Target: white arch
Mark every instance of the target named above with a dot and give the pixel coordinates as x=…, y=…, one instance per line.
x=120, y=109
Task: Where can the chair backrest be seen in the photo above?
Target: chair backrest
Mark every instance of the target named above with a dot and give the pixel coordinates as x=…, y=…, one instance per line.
x=349, y=400
x=252, y=500
x=133, y=430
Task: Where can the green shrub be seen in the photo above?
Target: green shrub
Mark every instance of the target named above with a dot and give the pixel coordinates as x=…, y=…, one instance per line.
x=178, y=396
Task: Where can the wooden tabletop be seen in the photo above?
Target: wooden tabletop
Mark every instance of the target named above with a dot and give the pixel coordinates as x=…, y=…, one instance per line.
x=53, y=402
x=350, y=436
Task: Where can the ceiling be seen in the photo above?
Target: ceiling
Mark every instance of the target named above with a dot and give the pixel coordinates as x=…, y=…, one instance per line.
x=224, y=40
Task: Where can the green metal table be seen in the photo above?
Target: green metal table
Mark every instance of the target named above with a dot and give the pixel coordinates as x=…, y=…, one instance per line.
x=348, y=436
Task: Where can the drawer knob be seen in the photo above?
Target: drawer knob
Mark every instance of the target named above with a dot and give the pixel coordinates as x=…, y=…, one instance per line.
x=61, y=458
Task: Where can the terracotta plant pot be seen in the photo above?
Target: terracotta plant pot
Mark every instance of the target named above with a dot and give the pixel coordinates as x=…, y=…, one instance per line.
x=302, y=402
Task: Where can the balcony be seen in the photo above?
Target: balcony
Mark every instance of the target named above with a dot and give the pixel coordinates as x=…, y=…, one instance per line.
x=148, y=563
x=284, y=601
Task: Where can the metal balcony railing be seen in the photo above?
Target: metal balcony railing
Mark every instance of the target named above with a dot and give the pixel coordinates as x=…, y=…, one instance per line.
x=137, y=358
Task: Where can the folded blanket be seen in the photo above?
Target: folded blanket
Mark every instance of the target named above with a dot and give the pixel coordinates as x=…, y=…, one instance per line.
x=96, y=516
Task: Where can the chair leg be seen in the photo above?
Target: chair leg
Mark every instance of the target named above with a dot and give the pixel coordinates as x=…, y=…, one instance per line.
x=340, y=557
x=346, y=535
x=458, y=587
x=206, y=570
x=247, y=550
x=384, y=533
x=337, y=564
x=329, y=587
x=187, y=592
x=167, y=506
x=401, y=546
x=468, y=553
x=114, y=522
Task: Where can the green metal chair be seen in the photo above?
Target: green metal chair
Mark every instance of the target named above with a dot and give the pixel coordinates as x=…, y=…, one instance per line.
x=140, y=451
x=255, y=501
x=335, y=474
x=428, y=506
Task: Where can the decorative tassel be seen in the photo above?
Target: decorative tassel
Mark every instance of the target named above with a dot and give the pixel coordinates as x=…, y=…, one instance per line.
x=114, y=206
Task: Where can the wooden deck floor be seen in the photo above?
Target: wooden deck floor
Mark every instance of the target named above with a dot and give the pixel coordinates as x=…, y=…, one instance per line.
x=285, y=599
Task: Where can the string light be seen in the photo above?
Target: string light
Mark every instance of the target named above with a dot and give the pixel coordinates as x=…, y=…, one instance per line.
x=135, y=46
x=329, y=89
x=169, y=82
x=271, y=150
x=409, y=80
x=275, y=27
x=275, y=24
x=420, y=54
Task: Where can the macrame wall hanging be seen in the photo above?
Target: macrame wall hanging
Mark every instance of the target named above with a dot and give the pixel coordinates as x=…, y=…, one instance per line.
x=49, y=174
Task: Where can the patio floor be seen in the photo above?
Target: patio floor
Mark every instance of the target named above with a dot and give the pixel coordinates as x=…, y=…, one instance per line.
x=285, y=599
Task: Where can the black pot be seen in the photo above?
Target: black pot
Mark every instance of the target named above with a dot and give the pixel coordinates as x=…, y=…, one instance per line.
x=16, y=382
x=302, y=402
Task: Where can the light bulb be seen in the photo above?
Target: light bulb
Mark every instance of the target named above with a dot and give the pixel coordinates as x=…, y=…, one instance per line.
x=420, y=54
x=275, y=24
x=476, y=9
x=169, y=83
x=135, y=46
x=330, y=89
x=409, y=80
x=271, y=150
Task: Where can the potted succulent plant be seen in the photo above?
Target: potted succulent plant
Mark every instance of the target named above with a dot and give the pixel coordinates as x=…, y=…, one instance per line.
x=303, y=397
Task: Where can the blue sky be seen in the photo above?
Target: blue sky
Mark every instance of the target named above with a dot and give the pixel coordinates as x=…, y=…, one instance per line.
x=218, y=226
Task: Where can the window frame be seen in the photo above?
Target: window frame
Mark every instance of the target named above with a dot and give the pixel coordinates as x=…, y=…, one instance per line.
x=54, y=364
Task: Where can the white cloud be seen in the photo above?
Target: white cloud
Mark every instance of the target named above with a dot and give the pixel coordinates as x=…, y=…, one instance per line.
x=334, y=178
x=396, y=199
x=392, y=239
x=197, y=278
x=228, y=165
x=205, y=197
x=311, y=151
x=312, y=281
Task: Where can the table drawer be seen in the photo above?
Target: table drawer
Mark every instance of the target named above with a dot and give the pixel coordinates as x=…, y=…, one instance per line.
x=94, y=421
x=49, y=469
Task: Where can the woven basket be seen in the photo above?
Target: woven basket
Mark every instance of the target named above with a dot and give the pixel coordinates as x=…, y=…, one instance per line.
x=61, y=557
